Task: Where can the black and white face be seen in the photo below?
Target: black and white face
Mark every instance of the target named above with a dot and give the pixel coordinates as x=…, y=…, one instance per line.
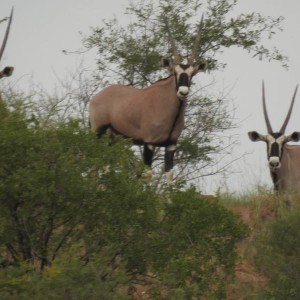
x=275, y=142
x=183, y=75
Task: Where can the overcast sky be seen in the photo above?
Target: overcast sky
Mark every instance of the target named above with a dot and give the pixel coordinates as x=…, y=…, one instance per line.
x=42, y=29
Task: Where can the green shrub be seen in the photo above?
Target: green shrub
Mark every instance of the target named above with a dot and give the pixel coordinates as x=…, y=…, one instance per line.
x=68, y=278
x=198, y=241
x=77, y=221
x=279, y=257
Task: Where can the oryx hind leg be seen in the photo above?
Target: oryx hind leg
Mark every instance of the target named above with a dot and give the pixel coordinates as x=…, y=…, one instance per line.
x=110, y=132
x=102, y=130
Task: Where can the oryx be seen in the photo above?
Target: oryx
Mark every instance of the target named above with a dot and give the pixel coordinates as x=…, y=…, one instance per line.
x=7, y=71
x=284, y=159
x=152, y=116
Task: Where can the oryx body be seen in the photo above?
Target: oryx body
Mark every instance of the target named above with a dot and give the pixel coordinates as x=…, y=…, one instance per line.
x=288, y=175
x=152, y=116
x=7, y=71
x=284, y=159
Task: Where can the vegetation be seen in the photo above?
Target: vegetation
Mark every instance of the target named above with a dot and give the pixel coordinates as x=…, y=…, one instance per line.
x=278, y=256
x=78, y=221
x=269, y=258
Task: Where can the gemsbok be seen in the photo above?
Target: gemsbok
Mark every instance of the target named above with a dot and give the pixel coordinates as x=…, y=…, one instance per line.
x=7, y=71
x=284, y=159
x=151, y=116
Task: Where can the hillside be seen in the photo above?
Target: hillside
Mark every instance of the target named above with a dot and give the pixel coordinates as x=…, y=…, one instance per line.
x=262, y=272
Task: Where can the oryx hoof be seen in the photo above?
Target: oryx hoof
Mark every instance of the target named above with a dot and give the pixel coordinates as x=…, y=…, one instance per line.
x=169, y=177
x=148, y=175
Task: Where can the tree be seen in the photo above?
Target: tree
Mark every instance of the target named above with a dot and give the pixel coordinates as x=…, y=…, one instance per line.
x=76, y=212
x=47, y=175
x=130, y=54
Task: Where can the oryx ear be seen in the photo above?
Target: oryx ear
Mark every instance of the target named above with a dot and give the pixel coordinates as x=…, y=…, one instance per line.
x=254, y=136
x=166, y=63
x=200, y=68
x=7, y=71
x=294, y=137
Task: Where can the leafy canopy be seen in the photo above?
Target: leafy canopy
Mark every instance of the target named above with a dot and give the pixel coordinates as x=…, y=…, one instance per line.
x=131, y=53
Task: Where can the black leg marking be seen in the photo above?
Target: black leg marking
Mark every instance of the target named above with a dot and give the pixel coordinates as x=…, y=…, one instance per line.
x=148, y=155
x=169, y=160
x=101, y=131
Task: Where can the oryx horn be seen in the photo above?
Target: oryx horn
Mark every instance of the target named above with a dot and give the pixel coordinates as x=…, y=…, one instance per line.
x=6, y=33
x=269, y=127
x=196, y=43
x=282, y=130
x=176, y=54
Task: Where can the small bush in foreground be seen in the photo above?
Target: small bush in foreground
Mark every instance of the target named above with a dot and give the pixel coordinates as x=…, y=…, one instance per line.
x=279, y=257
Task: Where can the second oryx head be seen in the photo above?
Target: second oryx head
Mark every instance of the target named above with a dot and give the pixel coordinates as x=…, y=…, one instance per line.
x=184, y=72
x=275, y=140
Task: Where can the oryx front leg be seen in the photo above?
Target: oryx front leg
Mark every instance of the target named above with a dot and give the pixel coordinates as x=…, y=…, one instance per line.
x=148, y=155
x=169, y=162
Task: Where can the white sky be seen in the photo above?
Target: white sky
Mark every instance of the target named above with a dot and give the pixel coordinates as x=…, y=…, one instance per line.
x=42, y=29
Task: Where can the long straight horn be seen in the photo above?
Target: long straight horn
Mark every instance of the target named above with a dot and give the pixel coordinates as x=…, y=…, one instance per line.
x=196, y=43
x=269, y=128
x=176, y=54
x=282, y=130
x=6, y=34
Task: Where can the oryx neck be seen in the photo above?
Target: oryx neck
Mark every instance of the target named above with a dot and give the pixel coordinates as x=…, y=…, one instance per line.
x=163, y=81
x=166, y=85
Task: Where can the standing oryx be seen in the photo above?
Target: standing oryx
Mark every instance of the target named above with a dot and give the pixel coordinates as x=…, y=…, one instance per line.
x=284, y=159
x=153, y=116
x=7, y=71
